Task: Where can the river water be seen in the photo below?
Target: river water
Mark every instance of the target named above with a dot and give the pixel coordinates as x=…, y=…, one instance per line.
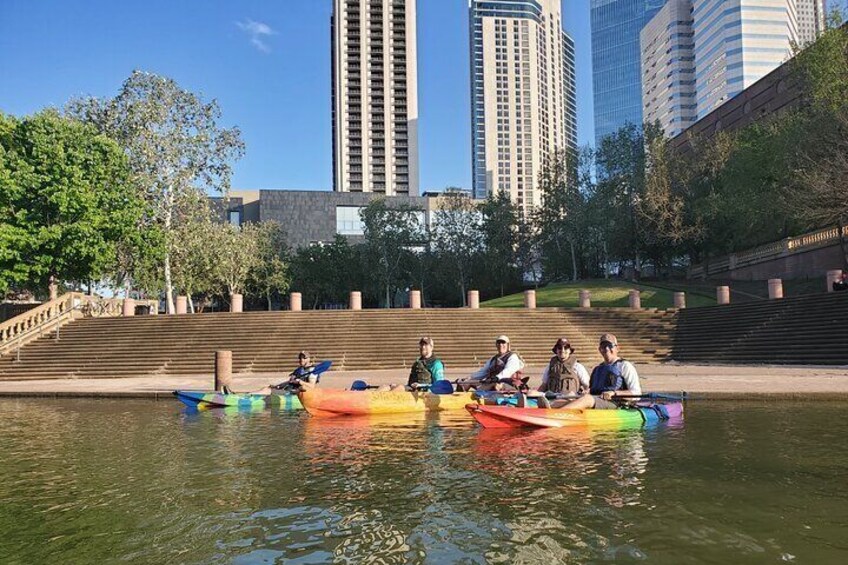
x=106, y=481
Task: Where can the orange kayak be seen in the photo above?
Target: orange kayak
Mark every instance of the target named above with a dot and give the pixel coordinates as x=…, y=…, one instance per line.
x=328, y=403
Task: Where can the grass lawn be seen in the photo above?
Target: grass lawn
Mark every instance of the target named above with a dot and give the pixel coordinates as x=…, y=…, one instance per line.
x=605, y=293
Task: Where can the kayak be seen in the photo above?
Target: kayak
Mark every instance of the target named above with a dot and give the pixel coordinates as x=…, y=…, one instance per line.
x=499, y=399
x=209, y=399
x=511, y=417
x=327, y=403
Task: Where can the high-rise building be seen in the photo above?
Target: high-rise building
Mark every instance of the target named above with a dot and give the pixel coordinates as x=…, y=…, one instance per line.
x=811, y=19
x=616, y=61
x=737, y=42
x=523, y=99
x=668, y=68
x=375, y=97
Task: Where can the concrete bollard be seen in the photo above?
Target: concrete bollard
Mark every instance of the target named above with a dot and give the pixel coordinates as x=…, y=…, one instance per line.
x=415, y=299
x=296, y=301
x=680, y=300
x=473, y=298
x=723, y=294
x=182, y=305
x=833, y=276
x=529, y=298
x=585, y=299
x=154, y=307
x=775, y=287
x=223, y=370
x=355, y=300
x=236, y=302
x=635, y=299
x=129, y=307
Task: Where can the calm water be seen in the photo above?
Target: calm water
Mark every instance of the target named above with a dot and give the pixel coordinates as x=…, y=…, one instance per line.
x=142, y=481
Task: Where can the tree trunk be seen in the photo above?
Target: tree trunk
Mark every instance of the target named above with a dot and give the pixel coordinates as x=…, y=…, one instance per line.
x=268, y=295
x=169, y=290
x=190, y=303
x=573, y=262
x=606, y=270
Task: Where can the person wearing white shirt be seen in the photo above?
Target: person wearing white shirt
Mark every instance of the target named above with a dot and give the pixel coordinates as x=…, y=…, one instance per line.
x=504, y=365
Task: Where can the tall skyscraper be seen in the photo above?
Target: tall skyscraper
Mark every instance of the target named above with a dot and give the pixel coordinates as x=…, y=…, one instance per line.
x=668, y=68
x=375, y=97
x=523, y=98
x=811, y=19
x=616, y=61
x=737, y=42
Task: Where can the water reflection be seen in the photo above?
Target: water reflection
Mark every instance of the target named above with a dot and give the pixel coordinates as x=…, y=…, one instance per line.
x=138, y=481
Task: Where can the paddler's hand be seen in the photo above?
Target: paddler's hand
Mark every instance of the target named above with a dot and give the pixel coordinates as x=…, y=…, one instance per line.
x=608, y=395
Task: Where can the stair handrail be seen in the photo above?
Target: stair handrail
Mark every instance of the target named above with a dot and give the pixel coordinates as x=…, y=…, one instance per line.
x=25, y=327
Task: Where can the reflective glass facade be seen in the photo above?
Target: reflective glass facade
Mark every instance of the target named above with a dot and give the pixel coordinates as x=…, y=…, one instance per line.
x=616, y=61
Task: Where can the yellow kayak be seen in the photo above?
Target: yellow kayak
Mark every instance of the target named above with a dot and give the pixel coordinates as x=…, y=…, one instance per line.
x=329, y=403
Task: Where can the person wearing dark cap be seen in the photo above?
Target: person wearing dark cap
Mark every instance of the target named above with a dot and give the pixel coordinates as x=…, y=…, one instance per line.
x=303, y=376
x=564, y=374
x=613, y=378
x=428, y=368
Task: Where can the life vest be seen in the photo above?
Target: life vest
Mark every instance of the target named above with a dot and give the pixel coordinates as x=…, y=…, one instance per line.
x=422, y=371
x=562, y=376
x=607, y=377
x=497, y=365
x=302, y=373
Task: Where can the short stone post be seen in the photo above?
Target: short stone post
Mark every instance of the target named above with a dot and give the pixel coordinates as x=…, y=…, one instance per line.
x=680, y=300
x=585, y=299
x=723, y=294
x=415, y=299
x=236, y=302
x=296, y=301
x=355, y=300
x=775, y=287
x=473, y=298
x=223, y=370
x=833, y=276
x=129, y=307
x=635, y=299
x=529, y=298
x=182, y=305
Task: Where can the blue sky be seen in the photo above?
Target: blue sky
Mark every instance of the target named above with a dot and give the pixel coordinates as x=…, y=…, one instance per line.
x=268, y=65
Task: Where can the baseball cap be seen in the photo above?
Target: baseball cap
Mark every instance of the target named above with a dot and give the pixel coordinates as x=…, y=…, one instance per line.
x=562, y=342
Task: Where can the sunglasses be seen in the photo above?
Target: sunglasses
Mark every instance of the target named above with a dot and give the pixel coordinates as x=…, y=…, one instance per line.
x=561, y=347
x=500, y=342
x=607, y=345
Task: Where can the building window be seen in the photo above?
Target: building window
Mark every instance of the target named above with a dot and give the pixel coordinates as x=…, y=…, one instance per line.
x=235, y=218
x=348, y=221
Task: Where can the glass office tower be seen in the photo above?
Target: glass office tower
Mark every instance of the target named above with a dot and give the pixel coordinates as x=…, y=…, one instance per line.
x=616, y=61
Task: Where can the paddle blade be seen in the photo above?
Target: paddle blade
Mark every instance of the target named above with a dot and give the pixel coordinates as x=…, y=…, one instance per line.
x=441, y=387
x=321, y=367
x=359, y=385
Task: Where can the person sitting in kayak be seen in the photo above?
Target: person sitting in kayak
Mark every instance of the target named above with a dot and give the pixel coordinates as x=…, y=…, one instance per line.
x=564, y=374
x=428, y=368
x=303, y=376
x=614, y=377
x=505, y=365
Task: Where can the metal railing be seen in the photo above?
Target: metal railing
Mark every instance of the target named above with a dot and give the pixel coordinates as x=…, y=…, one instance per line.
x=52, y=315
x=768, y=252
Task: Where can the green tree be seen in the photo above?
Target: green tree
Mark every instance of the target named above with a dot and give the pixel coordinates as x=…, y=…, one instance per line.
x=457, y=238
x=237, y=255
x=325, y=273
x=391, y=235
x=499, y=228
x=175, y=147
x=65, y=201
x=271, y=274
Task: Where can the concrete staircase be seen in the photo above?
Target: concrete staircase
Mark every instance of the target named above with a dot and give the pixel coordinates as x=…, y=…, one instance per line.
x=267, y=342
x=809, y=329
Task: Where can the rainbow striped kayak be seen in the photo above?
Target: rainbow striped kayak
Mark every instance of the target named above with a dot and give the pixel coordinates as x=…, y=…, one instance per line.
x=511, y=417
x=196, y=398
x=325, y=403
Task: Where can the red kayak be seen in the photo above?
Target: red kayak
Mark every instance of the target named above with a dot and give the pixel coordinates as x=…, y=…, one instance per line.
x=512, y=417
